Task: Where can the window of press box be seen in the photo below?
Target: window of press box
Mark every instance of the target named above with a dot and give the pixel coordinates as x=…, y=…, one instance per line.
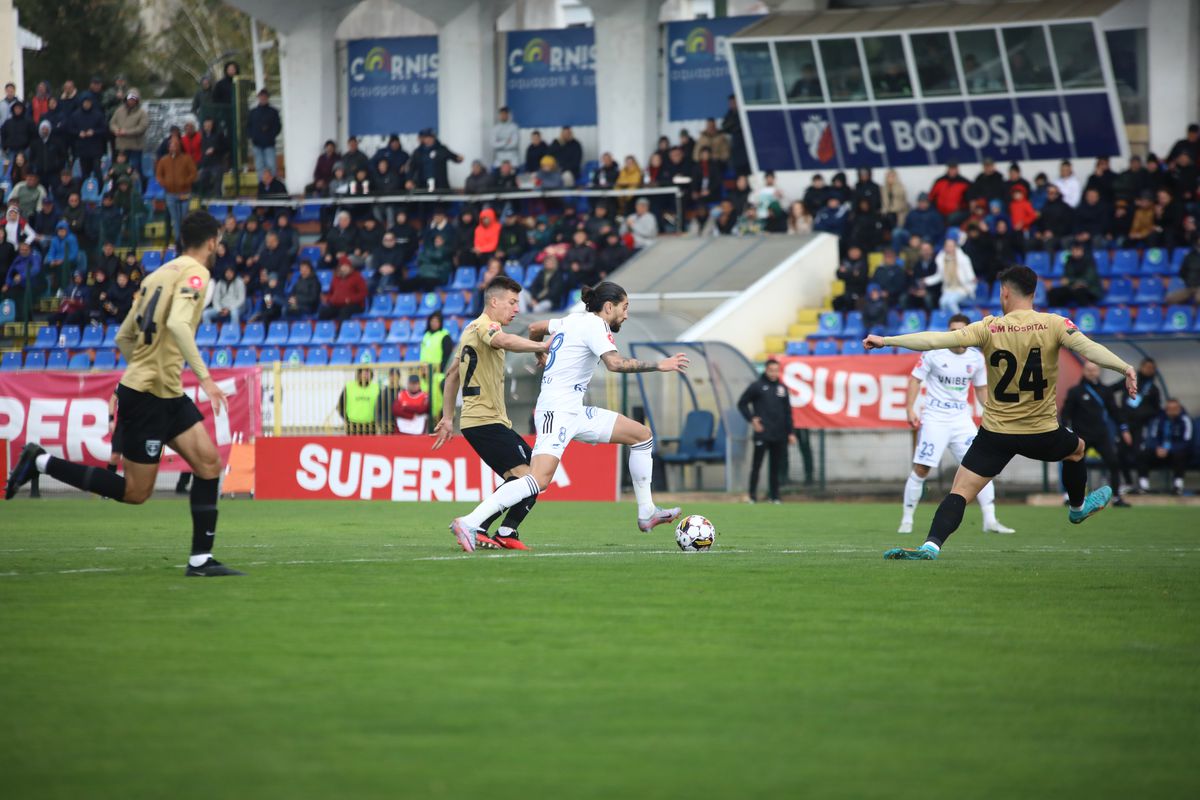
x=981, y=65
x=1028, y=60
x=843, y=70
x=798, y=64
x=1075, y=52
x=1129, y=55
x=889, y=71
x=756, y=74
x=935, y=64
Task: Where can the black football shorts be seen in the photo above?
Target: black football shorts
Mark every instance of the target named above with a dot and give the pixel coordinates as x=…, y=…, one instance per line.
x=990, y=453
x=145, y=423
x=500, y=447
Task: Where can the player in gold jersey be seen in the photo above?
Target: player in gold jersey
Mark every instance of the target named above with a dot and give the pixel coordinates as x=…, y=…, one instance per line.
x=1020, y=416
x=484, y=420
x=157, y=337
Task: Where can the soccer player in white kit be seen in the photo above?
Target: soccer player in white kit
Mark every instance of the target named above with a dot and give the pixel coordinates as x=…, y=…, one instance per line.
x=946, y=421
x=578, y=342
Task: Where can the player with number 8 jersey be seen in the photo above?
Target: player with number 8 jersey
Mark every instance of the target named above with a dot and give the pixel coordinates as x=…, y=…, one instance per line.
x=1020, y=416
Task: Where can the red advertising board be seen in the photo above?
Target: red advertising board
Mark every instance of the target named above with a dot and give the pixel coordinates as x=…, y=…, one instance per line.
x=67, y=412
x=848, y=391
x=404, y=468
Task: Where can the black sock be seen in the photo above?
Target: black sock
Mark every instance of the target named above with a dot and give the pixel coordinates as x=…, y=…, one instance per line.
x=487, y=523
x=204, y=514
x=111, y=468
x=516, y=515
x=946, y=519
x=89, y=479
x=1074, y=478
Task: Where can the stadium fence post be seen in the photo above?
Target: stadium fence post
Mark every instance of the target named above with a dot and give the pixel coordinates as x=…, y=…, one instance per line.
x=821, y=461
x=277, y=396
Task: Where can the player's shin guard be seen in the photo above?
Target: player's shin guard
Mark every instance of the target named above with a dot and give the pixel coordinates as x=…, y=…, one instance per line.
x=89, y=479
x=947, y=519
x=912, y=494
x=506, y=496
x=641, y=470
x=204, y=515
x=1074, y=478
x=516, y=515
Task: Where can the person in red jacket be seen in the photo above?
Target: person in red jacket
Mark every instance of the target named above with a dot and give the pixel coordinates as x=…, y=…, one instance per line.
x=410, y=409
x=190, y=139
x=948, y=195
x=347, y=295
x=1021, y=211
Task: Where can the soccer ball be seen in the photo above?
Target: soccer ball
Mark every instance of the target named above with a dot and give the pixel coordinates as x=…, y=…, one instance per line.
x=695, y=533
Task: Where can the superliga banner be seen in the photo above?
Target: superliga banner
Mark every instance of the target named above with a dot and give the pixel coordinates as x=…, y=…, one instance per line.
x=392, y=85
x=67, y=413
x=698, y=80
x=848, y=391
x=406, y=469
x=550, y=77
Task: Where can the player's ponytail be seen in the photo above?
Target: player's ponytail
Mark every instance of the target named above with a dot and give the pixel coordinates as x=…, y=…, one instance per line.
x=594, y=297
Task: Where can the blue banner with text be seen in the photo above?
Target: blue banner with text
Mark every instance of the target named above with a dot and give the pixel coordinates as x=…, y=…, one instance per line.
x=550, y=77
x=698, y=79
x=392, y=85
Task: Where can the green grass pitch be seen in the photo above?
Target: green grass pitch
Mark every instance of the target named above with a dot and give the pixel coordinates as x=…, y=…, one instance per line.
x=364, y=658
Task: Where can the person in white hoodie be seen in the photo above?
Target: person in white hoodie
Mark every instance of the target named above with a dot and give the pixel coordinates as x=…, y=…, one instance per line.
x=1068, y=184
x=956, y=275
x=506, y=140
x=228, y=297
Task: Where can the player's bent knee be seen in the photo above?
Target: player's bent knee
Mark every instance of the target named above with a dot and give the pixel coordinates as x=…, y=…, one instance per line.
x=1079, y=453
x=920, y=470
x=136, y=495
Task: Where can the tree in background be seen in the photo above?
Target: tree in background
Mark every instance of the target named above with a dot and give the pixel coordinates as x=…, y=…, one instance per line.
x=83, y=38
x=200, y=37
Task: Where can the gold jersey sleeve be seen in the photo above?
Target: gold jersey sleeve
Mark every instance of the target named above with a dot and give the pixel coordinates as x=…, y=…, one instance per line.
x=481, y=375
x=1020, y=350
x=159, y=335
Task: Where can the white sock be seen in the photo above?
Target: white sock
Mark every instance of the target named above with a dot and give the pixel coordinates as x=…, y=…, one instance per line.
x=505, y=531
x=932, y=546
x=1178, y=483
x=199, y=560
x=41, y=461
x=1144, y=484
x=641, y=468
x=1076, y=508
x=912, y=495
x=505, y=497
x=987, y=503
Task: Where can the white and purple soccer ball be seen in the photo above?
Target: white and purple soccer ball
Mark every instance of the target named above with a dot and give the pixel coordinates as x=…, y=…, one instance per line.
x=695, y=534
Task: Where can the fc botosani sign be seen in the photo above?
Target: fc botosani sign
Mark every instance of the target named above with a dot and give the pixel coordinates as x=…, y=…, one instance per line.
x=916, y=134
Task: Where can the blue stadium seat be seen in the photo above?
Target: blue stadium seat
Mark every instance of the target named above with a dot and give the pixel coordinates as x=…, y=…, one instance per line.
x=151, y=261
x=829, y=324
x=796, y=348
x=342, y=356
x=994, y=300
x=939, y=320
x=206, y=356
x=312, y=254
x=241, y=212
x=92, y=337
x=1125, y=262
x=365, y=354
x=514, y=271
x=219, y=210
x=293, y=356
x=10, y=362
x=206, y=334
x=983, y=293
x=308, y=212
x=349, y=333
x=430, y=302
x=1149, y=319
x=46, y=338
x=254, y=334
x=80, y=361
x=245, y=357
x=317, y=357
x=826, y=347
x=531, y=275
x=406, y=305
x=1155, y=261
x=882, y=351
x=325, y=332
x=1103, y=262
x=1177, y=257
x=454, y=327
x=456, y=304
x=277, y=334
x=374, y=332
x=853, y=347
x=57, y=360
x=390, y=354
x=1039, y=295
x=1087, y=320
x=110, y=335
x=853, y=329
x=222, y=357
x=912, y=322
x=1150, y=290
x=400, y=332
x=464, y=278
x=1039, y=262
x=268, y=355
x=325, y=278
x=1177, y=320
x=1117, y=320
x=1174, y=284
x=35, y=359
x=231, y=335
x=170, y=254
x=301, y=333
x=68, y=336
x=381, y=306
x=1120, y=292
x=105, y=360
x=412, y=352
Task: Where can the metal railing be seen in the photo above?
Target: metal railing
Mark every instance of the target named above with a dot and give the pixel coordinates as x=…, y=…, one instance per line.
x=304, y=400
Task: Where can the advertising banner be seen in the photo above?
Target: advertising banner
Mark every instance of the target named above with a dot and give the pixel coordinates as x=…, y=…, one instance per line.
x=392, y=85
x=67, y=413
x=848, y=391
x=405, y=469
x=697, y=66
x=550, y=77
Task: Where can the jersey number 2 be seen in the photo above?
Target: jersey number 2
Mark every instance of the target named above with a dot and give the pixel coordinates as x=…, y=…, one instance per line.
x=472, y=359
x=1031, y=379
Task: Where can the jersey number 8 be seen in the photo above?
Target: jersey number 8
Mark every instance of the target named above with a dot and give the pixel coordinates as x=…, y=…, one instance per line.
x=555, y=343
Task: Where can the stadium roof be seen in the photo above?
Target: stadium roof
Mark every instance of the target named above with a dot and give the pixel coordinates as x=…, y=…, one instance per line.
x=915, y=17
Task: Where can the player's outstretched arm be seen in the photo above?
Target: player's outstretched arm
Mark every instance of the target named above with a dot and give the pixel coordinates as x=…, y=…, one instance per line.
x=539, y=330
x=1100, y=355
x=973, y=335
x=616, y=363
x=517, y=344
x=444, y=430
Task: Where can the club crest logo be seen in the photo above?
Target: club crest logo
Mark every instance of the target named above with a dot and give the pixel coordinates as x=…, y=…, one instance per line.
x=818, y=138
x=153, y=447
x=196, y=282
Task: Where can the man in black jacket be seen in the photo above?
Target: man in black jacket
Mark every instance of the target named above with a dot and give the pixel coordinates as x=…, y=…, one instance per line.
x=765, y=404
x=1089, y=411
x=427, y=167
x=263, y=127
x=1137, y=413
